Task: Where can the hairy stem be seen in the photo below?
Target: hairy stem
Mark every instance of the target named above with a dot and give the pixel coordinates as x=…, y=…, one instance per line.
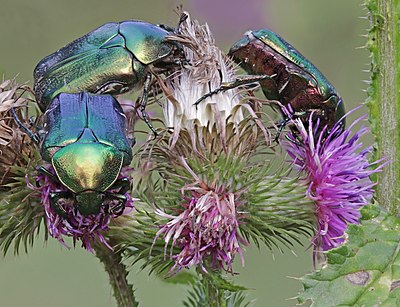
x=117, y=273
x=384, y=96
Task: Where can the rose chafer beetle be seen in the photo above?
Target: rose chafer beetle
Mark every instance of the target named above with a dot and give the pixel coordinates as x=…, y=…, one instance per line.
x=87, y=145
x=114, y=59
x=293, y=79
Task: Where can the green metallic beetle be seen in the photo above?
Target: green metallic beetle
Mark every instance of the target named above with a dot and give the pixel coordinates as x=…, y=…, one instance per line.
x=293, y=79
x=87, y=144
x=114, y=58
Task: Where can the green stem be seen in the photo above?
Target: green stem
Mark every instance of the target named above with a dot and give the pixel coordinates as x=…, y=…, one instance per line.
x=384, y=96
x=214, y=294
x=117, y=273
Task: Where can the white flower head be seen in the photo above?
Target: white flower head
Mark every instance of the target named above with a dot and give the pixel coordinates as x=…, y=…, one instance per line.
x=208, y=67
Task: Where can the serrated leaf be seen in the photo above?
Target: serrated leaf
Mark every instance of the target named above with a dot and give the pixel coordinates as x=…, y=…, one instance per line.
x=365, y=271
x=221, y=283
x=182, y=278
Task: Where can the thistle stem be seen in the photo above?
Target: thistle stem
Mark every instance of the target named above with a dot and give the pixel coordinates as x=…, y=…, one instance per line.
x=214, y=296
x=384, y=96
x=117, y=273
x=213, y=293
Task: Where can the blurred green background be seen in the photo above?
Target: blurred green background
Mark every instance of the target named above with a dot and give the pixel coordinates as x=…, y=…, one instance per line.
x=326, y=32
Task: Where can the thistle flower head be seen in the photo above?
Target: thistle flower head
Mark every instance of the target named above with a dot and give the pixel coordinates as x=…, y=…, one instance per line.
x=68, y=221
x=208, y=67
x=336, y=171
x=205, y=229
x=20, y=212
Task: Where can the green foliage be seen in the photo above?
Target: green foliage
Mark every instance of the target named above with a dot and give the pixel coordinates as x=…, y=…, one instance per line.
x=365, y=271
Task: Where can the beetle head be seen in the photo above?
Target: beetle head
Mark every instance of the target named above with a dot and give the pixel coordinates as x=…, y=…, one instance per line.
x=89, y=202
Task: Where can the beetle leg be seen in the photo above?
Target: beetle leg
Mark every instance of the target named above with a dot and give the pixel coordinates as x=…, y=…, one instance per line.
x=294, y=141
x=55, y=205
x=124, y=184
x=239, y=81
x=281, y=124
x=34, y=137
x=45, y=172
x=183, y=17
x=118, y=208
x=143, y=103
x=132, y=141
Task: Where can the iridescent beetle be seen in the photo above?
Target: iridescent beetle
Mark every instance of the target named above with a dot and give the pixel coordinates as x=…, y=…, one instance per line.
x=285, y=76
x=86, y=142
x=294, y=80
x=114, y=58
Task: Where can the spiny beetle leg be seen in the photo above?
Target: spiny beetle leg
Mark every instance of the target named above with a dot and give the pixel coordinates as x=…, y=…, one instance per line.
x=34, y=137
x=124, y=185
x=294, y=141
x=47, y=173
x=239, y=81
x=281, y=124
x=55, y=205
x=119, y=207
x=143, y=103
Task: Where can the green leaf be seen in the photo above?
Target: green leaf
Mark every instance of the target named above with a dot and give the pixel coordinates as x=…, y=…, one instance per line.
x=182, y=278
x=222, y=284
x=365, y=271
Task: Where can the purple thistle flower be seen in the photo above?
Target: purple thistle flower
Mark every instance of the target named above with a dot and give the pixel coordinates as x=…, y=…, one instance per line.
x=205, y=231
x=86, y=228
x=337, y=174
